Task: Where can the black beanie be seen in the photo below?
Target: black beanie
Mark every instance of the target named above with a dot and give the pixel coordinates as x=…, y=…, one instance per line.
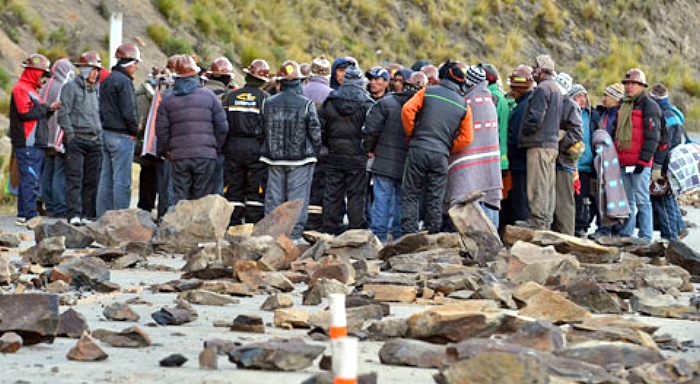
x=450, y=71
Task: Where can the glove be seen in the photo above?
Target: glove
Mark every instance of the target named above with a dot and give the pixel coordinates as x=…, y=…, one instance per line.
x=639, y=168
x=656, y=174
x=577, y=186
x=576, y=150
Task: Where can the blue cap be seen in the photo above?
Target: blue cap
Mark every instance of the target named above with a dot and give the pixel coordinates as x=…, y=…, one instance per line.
x=377, y=72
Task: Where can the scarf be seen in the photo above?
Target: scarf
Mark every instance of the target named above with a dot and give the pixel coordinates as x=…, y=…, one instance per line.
x=624, y=123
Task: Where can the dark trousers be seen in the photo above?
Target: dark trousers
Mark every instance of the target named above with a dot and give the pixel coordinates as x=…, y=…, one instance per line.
x=246, y=182
x=53, y=184
x=342, y=184
x=148, y=188
x=586, y=204
x=318, y=186
x=423, y=168
x=30, y=162
x=192, y=178
x=83, y=167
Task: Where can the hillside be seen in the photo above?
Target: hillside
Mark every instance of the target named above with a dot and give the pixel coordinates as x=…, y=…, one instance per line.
x=594, y=40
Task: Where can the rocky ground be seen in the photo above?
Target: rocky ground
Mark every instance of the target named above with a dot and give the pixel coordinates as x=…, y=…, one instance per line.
x=439, y=308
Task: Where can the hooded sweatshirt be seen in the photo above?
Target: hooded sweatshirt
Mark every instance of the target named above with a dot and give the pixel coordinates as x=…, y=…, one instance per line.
x=61, y=73
x=28, y=127
x=338, y=62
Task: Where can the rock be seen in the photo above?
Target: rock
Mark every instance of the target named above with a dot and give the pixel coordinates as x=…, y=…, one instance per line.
x=321, y=289
x=208, y=359
x=72, y=324
x=669, y=371
x=530, y=262
x=279, y=255
x=388, y=328
x=514, y=233
x=649, y=302
x=277, y=280
x=277, y=301
x=248, y=323
x=127, y=261
x=357, y=244
x=680, y=254
x=132, y=337
x=47, y=252
x=337, y=270
x=244, y=230
x=75, y=237
x=87, y=272
x=192, y=222
x=121, y=226
x=496, y=368
x=174, y=360
x=606, y=353
x=355, y=317
x=58, y=286
x=10, y=342
x=541, y=335
x=498, y=291
x=223, y=347
x=6, y=270
x=587, y=251
x=10, y=239
x=475, y=227
x=141, y=248
x=202, y=297
x=434, y=260
x=412, y=353
x=280, y=221
x=108, y=254
x=282, y=355
x=227, y=288
x=86, y=350
x=34, y=222
x=664, y=277
x=39, y=320
x=247, y=272
x=291, y=318
x=392, y=293
x=541, y=303
x=454, y=323
x=120, y=312
x=172, y=316
x=588, y=294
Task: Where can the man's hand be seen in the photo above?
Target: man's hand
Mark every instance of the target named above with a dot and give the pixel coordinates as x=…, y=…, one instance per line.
x=55, y=105
x=656, y=174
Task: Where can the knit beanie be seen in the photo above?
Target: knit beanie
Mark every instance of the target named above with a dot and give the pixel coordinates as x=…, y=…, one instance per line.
x=659, y=92
x=353, y=76
x=450, y=71
x=564, y=82
x=576, y=89
x=545, y=63
x=475, y=74
x=616, y=91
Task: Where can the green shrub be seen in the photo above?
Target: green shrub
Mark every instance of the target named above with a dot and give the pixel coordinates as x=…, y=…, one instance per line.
x=173, y=46
x=158, y=33
x=173, y=10
x=5, y=78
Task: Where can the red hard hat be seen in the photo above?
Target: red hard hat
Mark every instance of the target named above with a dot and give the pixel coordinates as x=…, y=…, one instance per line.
x=221, y=66
x=259, y=69
x=89, y=59
x=37, y=61
x=185, y=66
x=290, y=71
x=128, y=51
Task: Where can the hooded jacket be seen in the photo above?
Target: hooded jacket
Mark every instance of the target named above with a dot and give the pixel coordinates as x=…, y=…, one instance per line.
x=342, y=117
x=673, y=132
x=118, y=103
x=384, y=136
x=79, y=114
x=28, y=116
x=191, y=123
x=338, y=62
x=542, y=117
x=292, y=129
x=61, y=73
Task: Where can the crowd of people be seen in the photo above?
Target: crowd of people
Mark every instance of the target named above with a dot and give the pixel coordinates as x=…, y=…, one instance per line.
x=390, y=149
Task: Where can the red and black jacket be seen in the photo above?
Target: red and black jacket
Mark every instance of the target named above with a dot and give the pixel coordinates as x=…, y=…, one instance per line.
x=646, y=131
x=28, y=117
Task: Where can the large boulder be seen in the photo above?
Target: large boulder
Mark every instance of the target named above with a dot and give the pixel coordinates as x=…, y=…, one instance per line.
x=33, y=316
x=478, y=233
x=412, y=353
x=680, y=254
x=10, y=239
x=192, y=222
x=280, y=221
x=454, y=323
x=114, y=228
x=47, y=252
x=496, y=368
x=76, y=237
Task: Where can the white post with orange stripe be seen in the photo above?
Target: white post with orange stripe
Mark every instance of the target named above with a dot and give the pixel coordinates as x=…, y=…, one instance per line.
x=339, y=327
x=345, y=360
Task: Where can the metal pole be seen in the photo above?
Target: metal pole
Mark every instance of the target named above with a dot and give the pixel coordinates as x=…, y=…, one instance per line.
x=115, y=36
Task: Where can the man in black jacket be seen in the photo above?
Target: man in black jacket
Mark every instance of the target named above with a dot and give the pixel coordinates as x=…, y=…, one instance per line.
x=292, y=140
x=539, y=135
x=120, y=125
x=385, y=142
x=245, y=175
x=342, y=117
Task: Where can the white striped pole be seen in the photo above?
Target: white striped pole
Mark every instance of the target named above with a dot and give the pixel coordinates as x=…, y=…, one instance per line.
x=345, y=360
x=339, y=327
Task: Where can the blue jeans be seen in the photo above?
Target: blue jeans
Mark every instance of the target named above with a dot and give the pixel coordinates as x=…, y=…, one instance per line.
x=217, y=179
x=114, y=191
x=492, y=214
x=386, y=207
x=669, y=214
x=637, y=190
x=53, y=185
x=30, y=161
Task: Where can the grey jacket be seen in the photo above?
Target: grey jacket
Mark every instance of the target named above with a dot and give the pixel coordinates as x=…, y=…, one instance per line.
x=572, y=124
x=543, y=114
x=79, y=114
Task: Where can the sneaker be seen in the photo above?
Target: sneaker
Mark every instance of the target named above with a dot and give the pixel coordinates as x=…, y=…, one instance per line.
x=21, y=221
x=85, y=221
x=74, y=221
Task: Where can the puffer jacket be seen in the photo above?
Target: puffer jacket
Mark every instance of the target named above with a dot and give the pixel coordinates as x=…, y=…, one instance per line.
x=28, y=116
x=79, y=114
x=646, y=130
x=384, y=136
x=191, y=123
x=607, y=119
x=118, y=103
x=543, y=114
x=342, y=117
x=292, y=129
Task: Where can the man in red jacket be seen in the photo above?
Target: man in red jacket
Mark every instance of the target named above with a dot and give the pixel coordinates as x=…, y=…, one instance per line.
x=636, y=139
x=29, y=131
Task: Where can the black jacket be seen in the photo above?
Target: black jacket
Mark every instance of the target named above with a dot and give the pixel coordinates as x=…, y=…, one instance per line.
x=385, y=137
x=517, y=157
x=245, y=122
x=342, y=117
x=542, y=117
x=572, y=125
x=292, y=129
x=118, y=103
